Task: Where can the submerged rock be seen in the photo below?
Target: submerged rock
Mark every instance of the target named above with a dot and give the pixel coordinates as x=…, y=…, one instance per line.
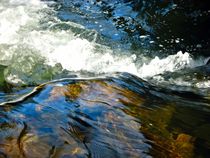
x=119, y=116
x=1, y=76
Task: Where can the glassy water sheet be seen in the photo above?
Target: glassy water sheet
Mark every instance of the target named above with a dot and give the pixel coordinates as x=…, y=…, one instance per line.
x=119, y=116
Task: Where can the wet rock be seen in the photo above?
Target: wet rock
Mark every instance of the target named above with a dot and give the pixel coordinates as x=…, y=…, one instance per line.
x=2, y=80
x=185, y=144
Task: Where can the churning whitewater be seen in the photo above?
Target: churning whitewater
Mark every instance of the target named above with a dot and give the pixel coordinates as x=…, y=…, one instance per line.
x=33, y=39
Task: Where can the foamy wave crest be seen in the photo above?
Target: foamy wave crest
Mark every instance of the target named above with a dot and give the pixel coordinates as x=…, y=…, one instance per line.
x=81, y=55
x=35, y=48
x=30, y=42
x=169, y=64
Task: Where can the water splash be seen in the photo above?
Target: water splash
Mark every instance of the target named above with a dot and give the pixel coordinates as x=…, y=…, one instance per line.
x=34, y=44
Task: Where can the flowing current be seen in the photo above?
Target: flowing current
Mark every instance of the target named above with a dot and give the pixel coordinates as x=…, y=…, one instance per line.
x=39, y=43
x=32, y=35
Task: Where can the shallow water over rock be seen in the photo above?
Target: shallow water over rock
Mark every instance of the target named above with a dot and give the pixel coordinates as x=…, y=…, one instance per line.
x=121, y=116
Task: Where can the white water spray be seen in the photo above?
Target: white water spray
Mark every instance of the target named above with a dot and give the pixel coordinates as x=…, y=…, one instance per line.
x=23, y=32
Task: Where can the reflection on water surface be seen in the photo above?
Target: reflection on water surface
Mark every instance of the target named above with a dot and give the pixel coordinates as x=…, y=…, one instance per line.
x=119, y=116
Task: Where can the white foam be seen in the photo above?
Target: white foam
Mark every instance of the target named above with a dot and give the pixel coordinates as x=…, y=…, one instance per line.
x=15, y=79
x=80, y=54
x=169, y=64
x=10, y=23
x=15, y=16
x=25, y=2
x=22, y=30
x=205, y=84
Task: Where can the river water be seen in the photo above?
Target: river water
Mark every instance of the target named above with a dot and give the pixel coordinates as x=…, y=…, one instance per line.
x=104, y=79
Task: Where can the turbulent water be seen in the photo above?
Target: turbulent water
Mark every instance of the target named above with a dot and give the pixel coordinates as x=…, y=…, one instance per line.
x=159, y=107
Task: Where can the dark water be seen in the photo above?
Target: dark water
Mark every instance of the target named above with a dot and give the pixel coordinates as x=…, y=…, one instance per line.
x=170, y=25
x=104, y=113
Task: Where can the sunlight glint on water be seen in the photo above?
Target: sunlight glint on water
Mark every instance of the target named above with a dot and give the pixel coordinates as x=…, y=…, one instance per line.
x=26, y=27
